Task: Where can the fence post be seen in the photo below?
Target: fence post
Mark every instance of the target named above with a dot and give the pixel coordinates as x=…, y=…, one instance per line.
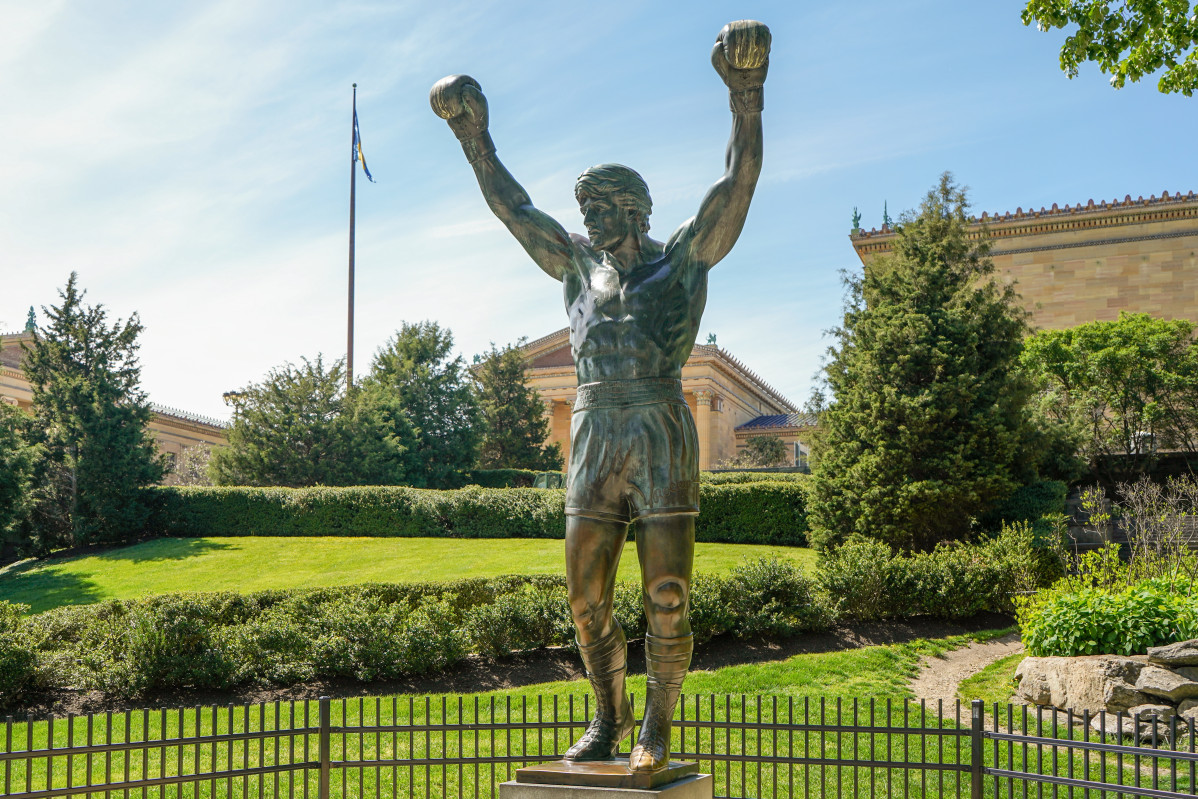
x=977, y=749
x=326, y=746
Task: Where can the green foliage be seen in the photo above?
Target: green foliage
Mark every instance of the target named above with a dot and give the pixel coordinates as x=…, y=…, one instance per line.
x=1091, y=621
x=498, y=478
x=296, y=428
x=759, y=451
x=867, y=581
x=925, y=426
x=1123, y=388
x=530, y=617
x=1128, y=39
x=512, y=415
x=89, y=419
x=751, y=513
x=18, y=460
x=424, y=400
x=771, y=598
x=17, y=660
x=1032, y=502
x=722, y=478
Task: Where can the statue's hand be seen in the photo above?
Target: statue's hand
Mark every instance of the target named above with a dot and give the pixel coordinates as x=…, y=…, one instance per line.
x=458, y=99
x=742, y=54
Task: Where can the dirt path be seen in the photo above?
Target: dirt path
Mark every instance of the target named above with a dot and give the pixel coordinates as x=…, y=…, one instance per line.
x=939, y=677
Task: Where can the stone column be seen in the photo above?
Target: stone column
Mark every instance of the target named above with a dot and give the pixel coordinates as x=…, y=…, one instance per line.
x=703, y=399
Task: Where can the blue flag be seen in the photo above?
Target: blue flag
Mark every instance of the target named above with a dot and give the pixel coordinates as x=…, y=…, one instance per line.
x=357, y=154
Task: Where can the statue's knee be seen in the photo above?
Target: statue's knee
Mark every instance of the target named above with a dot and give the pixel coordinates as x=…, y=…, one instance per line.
x=589, y=616
x=668, y=596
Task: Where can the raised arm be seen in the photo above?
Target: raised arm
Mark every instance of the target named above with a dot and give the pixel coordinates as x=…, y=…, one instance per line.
x=741, y=57
x=458, y=99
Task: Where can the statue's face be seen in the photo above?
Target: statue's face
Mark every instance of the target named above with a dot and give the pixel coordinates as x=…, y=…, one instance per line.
x=607, y=224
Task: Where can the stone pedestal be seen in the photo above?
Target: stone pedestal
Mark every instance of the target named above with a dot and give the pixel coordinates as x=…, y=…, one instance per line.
x=606, y=780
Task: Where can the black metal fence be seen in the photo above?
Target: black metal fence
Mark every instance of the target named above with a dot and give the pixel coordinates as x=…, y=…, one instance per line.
x=756, y=747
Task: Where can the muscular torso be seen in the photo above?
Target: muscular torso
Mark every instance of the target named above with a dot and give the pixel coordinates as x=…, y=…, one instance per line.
x=634, y=323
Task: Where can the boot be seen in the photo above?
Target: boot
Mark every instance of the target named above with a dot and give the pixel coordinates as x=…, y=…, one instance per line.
x=605, y=661
x=666, y=662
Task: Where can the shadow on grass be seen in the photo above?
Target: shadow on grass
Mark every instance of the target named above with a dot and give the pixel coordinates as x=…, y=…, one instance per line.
x=44, y=588
x=164, y=549
x=52, y=582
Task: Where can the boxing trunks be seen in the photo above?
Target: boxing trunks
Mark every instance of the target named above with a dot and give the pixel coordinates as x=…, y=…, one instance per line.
x=634, y=452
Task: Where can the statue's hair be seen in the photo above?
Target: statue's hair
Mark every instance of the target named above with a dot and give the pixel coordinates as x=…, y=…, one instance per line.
x=623, y=185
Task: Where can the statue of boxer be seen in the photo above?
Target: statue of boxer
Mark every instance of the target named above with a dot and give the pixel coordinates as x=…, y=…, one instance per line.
x=634, y=305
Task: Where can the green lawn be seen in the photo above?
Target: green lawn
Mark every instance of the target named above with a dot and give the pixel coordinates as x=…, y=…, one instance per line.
x=252, y=564
x=994, y=683
x=786, y=692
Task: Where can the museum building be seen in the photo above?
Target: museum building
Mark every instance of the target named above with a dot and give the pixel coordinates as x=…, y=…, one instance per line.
x=173, y=430
x=1086, y=263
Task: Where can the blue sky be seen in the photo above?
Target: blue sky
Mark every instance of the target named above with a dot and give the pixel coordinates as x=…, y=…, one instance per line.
x=190, y=160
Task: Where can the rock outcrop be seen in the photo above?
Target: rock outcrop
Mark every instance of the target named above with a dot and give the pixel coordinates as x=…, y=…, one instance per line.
x=1182, y=653
x=1152, y=695
x=1092, y=682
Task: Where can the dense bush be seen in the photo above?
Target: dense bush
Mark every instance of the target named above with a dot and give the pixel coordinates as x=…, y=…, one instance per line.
x=867, y=581
x=17, y=661
x=752, y=513
x=772, y=598
x=723, y=478
x=1091, y=621
x=498, y=478
x=1038, y=503
x=364, y=632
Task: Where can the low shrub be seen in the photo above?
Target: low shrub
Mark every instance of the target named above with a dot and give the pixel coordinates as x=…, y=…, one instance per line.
x=868, y=582
x=499, y=478
x=756, y=513
x=528, y=618
x=17, y=661
x=1091, y=621
x=361, y=632
x=724, y=478
x=772, y=598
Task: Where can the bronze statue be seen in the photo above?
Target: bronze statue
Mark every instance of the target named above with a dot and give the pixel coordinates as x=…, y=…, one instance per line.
x=634, y=306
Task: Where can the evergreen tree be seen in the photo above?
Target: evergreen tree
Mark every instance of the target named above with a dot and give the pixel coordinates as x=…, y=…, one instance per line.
x=426, y=400
x=513, y=415
x=759, y=452
x=925, y=422
x=296, y=428
x=17, y=462
x=89, y=416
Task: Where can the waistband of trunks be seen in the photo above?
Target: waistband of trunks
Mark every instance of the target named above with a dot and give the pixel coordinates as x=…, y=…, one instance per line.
x=625, y=393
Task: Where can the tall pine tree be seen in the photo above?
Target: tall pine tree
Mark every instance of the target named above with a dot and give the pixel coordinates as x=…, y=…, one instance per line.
x=429, y=399
x=89, y=416
x=513, y=415
x=926, y=417
x=296, y=428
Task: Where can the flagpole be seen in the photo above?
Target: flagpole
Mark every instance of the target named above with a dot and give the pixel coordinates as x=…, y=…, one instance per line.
x=353, y=174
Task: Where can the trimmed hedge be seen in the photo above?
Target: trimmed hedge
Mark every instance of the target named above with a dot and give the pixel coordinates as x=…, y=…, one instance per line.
x=754, y=513
x=867, y=581
x=364, y=632
x=723, y=478
x=499, y=478
x=384, y=631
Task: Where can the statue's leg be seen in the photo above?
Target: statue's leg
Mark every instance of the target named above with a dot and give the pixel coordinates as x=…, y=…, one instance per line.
x=665, y=546
x=592, y=557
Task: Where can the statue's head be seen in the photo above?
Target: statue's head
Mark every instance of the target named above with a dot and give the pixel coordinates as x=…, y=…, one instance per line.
x=614, y=201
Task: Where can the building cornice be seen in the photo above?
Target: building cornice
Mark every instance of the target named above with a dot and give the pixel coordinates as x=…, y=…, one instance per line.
x=1100, y=216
